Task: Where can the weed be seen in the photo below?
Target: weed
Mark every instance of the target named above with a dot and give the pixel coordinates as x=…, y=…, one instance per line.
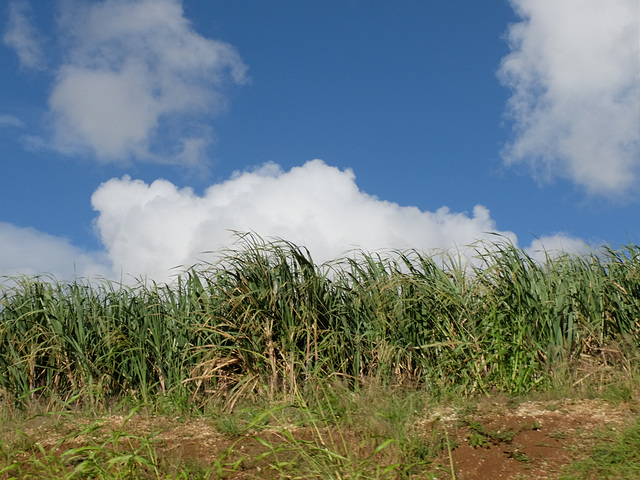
x=616, y=454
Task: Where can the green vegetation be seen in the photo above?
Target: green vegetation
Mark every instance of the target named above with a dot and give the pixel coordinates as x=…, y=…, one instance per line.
x=267, y=324
x=336, y=437
x=267, y=316
x=615, y=455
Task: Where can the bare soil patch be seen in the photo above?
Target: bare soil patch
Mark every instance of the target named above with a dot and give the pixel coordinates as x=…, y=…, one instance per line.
x=533, y=440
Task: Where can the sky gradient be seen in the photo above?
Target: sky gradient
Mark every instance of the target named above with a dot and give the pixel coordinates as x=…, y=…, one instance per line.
x=137, y=134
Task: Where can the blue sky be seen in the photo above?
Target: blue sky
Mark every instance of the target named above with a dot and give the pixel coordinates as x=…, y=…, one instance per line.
x=137, y=133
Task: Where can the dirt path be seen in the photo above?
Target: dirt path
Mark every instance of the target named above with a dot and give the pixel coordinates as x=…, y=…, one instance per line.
x=489, y=440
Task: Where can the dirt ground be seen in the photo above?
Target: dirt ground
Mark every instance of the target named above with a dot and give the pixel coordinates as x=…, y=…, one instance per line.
x=492, y=440
x=531, y=441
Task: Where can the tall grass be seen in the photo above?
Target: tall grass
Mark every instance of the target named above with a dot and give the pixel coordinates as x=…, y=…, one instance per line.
x=266, y=317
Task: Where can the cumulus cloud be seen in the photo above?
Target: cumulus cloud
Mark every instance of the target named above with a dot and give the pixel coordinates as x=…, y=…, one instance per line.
x=26, y=251
x=552, y=245
x=130, y=68
x=152, y=228
x=575, y=80
x=21, y=35
x=156, y=230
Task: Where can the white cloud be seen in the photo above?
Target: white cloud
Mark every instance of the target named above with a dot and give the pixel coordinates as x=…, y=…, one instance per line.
x=26, y=251
x=10, y=121
x=557, y=244
x=131, y=67
x=152, y=228
x=21, y=35
x=575, y=79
